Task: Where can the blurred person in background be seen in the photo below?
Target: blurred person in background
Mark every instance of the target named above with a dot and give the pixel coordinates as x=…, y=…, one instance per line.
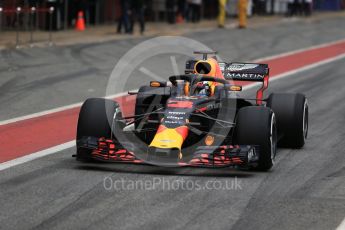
x=307, y=7
x=181, y=9
x=222, y=13
x=188, y=10
x=194, y=10
x=242, y=13
x=261, y=8
x=290, y=8
x=124, y=18
x=137, y=9
x=295, y=7
x=170, y=8
x=298, y=7
x=257, y=8
x=272, y=3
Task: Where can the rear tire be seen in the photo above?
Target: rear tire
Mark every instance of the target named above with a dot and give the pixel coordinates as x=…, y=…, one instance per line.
x=256, y=125
x=292, y=118
x=96, y=120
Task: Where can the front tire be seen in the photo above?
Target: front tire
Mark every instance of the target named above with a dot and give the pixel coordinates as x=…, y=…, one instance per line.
x=256, y=125
x=96, y=119
x=292, y=118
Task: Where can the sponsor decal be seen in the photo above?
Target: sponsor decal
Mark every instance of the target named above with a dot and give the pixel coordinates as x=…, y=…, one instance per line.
x=222, y=66
x=213, y=106
x=244, y=76
x=188, y=97
x=175, y=117
x=239, y=67
x=209, y=140
x=176, y=113
x=168, y=141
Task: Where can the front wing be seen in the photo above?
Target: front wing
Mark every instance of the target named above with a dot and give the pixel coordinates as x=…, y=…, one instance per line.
x=109, y=150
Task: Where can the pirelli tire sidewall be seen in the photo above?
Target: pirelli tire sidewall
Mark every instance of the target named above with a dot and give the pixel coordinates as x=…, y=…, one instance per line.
x=292, y=118
x=96, y=120
x=255, y=125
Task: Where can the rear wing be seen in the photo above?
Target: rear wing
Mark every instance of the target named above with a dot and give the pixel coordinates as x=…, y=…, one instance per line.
x=244, y=71
x=241, y=72
x=237, y=71
x=247, y=72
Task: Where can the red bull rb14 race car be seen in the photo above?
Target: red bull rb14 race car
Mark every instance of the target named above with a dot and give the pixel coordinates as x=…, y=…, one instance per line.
x=196, y=119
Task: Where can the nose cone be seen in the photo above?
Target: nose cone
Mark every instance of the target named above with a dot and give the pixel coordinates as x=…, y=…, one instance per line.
x=169, y=138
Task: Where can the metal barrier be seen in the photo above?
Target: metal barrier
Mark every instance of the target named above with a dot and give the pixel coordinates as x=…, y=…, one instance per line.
x=32, y=13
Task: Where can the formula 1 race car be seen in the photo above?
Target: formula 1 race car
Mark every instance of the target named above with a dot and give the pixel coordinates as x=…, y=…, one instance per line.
x=196, y=119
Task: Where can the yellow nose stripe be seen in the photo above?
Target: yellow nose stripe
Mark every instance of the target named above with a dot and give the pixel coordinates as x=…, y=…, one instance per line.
x=169, y=138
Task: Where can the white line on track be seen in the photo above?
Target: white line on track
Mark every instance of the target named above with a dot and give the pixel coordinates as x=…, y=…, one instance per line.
x=341, y=226
x=292, y=72
x=71, y=144
x=299, y=50
x=39, y=114
x=50, y=111
x=36, y=155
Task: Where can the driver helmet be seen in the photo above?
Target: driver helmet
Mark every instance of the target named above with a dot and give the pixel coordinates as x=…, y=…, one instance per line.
x=204, y=88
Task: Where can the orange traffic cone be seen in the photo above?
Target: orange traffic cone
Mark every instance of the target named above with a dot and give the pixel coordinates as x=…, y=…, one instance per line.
x=80, y=25
x=179, y=19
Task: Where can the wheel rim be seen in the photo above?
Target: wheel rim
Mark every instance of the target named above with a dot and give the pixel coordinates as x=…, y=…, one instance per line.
x=305, y=119
x=273, y=138
x=113, y=122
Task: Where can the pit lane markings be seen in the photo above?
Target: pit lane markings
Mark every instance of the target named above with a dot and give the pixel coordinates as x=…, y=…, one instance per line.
x=296, y=71
x=50, y=111
x=39, y=154
x=341, y=226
